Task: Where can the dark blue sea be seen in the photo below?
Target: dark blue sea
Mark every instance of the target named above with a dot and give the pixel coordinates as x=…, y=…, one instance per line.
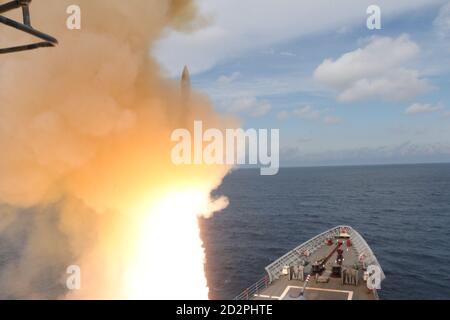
x=403, y=212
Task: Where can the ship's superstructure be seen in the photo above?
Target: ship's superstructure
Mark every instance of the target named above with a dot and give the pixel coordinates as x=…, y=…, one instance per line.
x=335, y=265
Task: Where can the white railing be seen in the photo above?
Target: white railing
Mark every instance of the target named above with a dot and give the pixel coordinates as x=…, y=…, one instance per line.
x=362, y=247
x=254, y=289
x=294, y=256
x=274, y=270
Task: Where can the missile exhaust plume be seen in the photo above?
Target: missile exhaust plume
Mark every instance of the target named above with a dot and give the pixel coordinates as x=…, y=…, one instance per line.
x=86, y=176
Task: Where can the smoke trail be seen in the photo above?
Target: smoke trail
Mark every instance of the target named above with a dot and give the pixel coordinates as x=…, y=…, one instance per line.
x=85, y=148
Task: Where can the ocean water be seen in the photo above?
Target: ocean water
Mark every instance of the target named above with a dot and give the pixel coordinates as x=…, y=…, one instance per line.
x=403, y=212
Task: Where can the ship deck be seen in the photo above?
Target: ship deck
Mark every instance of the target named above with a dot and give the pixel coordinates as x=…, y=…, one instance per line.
x=284, y=289
x=292, y=277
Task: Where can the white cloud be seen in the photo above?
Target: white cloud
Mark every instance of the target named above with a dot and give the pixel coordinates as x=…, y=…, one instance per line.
x=417, y=108
x=272, y=51
x=370, y=61
x=331, y=120
x=399, y=153
x=258, y=86
x=442, y=21
x=224, y=80
x=307, y=112
x=269, y=51
x=239, y=26
x=370, y=72
x=283, y=115
x=287, y=54
x=394, y=85
x=343, y=30
x=250, y=105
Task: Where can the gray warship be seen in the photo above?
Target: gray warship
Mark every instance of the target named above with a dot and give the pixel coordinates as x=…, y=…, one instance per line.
x=337, y=264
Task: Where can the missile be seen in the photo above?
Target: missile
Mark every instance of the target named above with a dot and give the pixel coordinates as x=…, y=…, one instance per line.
x=185, y=82
x=185, y=93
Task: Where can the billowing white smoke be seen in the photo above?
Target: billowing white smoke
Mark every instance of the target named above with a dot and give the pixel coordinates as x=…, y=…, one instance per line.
x=85, y=170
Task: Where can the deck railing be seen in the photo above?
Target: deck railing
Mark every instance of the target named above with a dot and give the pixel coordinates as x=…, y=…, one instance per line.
x=274, y=270
x=254, y=289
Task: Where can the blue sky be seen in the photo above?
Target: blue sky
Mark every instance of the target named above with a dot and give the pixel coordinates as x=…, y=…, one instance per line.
x=339, y=92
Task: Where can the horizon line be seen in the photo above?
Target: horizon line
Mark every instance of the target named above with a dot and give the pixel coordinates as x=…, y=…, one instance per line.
x=347, y=165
